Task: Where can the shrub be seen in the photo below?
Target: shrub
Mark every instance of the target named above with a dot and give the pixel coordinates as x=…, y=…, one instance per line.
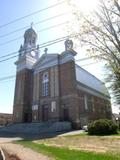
x=102, y=127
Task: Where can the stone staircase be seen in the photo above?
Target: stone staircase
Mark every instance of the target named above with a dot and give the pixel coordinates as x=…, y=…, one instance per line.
x=36, y=128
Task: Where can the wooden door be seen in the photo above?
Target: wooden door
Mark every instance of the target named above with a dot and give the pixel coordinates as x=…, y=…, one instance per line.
x=45, y=113
x=66, y=114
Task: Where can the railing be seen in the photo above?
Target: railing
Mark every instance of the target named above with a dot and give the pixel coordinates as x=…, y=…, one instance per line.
x=2, y=156
x=6, y=156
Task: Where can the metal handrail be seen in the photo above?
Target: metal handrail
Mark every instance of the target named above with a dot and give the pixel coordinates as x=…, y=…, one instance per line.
x=2, y=154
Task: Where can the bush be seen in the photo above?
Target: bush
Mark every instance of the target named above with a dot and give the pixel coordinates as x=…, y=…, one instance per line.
x=102, y=127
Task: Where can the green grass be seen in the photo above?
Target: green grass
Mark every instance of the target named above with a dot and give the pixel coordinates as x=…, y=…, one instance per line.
x=118, y=134
x=67, y=154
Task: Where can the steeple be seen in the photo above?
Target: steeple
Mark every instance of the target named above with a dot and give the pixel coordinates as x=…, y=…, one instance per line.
x=29, y=46
x=29, y=51
x=30, y=37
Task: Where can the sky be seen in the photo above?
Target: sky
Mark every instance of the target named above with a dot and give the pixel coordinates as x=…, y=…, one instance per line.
x=11, y=39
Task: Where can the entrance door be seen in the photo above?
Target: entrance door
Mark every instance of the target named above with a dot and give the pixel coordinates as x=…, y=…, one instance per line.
x=45, y=113
x=66, y=114
x=27, y=117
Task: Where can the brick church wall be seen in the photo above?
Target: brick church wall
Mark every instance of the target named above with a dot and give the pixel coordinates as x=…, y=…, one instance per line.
x=98, y=108
x=53, y=94
x=23, y=96
x=64, y=101
x=68, y=92
x=67, y=79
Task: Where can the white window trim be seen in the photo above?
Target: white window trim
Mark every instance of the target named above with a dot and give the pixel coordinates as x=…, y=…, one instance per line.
x=45, y=86
x=35, y=107
x=53, y=106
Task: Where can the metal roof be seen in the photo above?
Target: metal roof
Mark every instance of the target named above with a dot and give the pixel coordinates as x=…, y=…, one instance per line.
x=87, y=79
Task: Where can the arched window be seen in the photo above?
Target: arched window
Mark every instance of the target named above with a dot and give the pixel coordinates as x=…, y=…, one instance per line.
x=45, y=80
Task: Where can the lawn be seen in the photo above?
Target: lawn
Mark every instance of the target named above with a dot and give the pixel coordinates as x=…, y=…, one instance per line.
x=61, y=153
x=99, y=144
x=78, y=147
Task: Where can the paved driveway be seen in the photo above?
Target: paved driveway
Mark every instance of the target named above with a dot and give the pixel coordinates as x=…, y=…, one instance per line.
x=7, y=140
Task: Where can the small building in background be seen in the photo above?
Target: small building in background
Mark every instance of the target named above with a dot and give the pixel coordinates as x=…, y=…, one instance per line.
x=52, y=87
x=5, y=119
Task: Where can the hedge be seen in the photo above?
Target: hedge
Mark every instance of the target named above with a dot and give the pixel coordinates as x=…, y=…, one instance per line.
x=102, y=127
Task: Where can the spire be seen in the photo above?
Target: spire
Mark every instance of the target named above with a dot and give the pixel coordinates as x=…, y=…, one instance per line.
x=31, y=24
x=29, y=47
x=30, y=37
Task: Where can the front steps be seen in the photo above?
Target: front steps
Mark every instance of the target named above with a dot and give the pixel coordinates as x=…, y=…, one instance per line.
x=36, y=128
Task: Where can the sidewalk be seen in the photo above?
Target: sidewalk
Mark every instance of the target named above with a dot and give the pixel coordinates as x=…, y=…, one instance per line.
x=72, y=133
x=23, y=153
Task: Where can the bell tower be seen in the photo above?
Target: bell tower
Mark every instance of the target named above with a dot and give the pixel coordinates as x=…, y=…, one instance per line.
x=28, y=55
x=29, y=48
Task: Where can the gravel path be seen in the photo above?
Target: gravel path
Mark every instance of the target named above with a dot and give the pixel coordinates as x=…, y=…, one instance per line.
x=23, y=153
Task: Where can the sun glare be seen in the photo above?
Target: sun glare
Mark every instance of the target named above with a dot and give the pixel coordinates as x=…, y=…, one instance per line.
x=85, y=5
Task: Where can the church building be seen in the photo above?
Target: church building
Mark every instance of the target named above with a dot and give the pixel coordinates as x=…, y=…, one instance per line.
x=52, y=87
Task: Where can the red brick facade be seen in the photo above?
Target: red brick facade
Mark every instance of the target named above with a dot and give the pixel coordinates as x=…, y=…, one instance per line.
x=23, y=96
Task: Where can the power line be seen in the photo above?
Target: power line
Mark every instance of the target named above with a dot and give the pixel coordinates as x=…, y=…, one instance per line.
x=8, y=54
x=33, y=13
x=88, y=64
x=48, y=43
x=45, y=45
x=44, y=20
x=12, y=80
x=8, y=77
x=51, y=27
x=13, y=76
x=8, y=58
x=12, y=40
x=87, y=58
x=41, y=46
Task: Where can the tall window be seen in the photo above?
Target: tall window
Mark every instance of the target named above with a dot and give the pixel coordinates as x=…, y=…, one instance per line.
x=93, y=104
x=45, y=85
x=85, y=102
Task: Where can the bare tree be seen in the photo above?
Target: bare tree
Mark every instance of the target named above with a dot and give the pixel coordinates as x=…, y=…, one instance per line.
x=100, y=33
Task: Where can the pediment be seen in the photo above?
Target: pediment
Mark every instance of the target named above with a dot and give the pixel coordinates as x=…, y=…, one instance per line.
x=46, y=60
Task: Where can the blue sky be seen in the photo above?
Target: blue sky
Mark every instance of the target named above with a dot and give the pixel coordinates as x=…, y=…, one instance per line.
x=11, y=10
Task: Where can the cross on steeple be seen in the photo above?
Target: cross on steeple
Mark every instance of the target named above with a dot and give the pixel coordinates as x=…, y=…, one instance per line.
x=31, y=24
